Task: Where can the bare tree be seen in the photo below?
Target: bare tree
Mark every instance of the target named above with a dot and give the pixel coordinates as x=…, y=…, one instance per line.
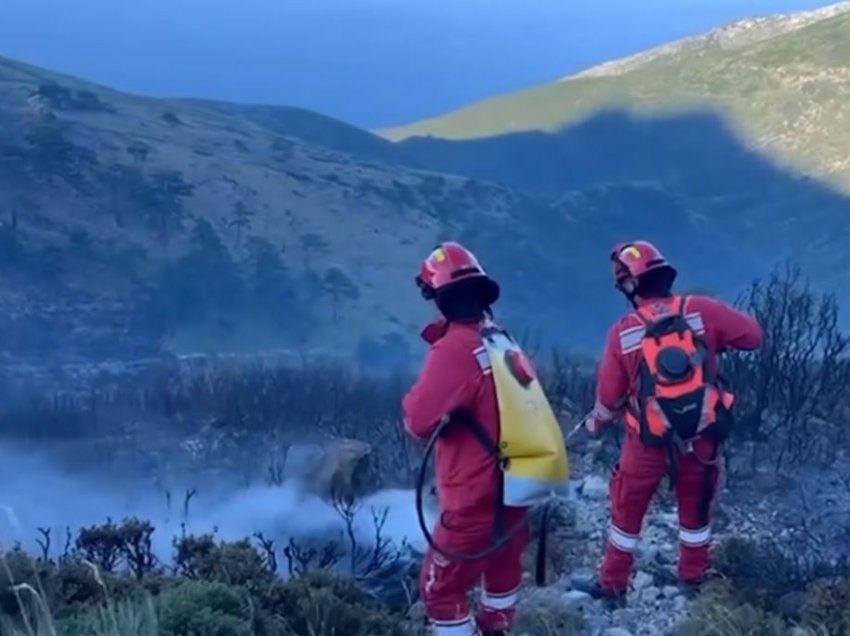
x=792, y=391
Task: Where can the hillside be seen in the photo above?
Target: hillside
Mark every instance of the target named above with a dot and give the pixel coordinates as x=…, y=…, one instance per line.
x=743, y=127
x=132, y=224
x=783, y=81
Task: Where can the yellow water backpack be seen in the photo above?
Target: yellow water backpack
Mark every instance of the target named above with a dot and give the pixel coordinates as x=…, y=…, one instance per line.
x=531, y=443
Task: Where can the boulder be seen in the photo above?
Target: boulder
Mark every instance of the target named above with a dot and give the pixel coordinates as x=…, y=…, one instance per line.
x=576, y=600
x=340, y=470
x=642, y=580
x=594, y=487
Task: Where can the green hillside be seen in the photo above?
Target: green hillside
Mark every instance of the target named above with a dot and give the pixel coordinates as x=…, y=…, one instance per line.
x=129, y=224
x=782, y=82
x=743, y=128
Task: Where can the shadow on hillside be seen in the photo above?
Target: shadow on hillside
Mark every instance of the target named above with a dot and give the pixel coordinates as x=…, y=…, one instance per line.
x=685, y=180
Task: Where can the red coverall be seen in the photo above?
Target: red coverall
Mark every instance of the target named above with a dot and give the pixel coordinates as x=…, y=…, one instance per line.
x=457, y=375
x=641, y=468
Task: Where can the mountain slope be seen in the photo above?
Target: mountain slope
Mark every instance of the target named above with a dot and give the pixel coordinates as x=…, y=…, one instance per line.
x=783, y=83
x=316, y=129
x=129, y=224
x=744, y=128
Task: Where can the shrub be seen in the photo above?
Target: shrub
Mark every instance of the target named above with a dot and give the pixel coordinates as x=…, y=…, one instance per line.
x=124, y=618
x=236, y=563
x=322, y=605
x=63, y=587
x=826, y=606
x=791, y=392
x=545, y=614
x=205, y=608
x=735, y=620
x=763, y=572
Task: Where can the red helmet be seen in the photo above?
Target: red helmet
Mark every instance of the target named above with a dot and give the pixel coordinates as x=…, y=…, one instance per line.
x=633, y=260
x=449, y=263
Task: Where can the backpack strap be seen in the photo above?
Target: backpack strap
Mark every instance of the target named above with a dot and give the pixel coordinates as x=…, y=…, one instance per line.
x=481, y=435
x=649, y=319
x=683, y=302
x=467, y=419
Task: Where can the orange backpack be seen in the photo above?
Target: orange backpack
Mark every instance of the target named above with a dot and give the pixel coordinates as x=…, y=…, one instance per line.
x=677, y=397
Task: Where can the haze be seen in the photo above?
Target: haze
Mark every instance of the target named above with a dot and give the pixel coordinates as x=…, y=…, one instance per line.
x=370, y=62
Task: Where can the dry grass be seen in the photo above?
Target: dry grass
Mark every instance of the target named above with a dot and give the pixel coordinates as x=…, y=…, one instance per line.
x=122, y=618
x=543, y=613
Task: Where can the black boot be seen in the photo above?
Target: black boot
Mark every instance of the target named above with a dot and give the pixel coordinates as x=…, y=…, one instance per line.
x=691, y=588
x=596, y=591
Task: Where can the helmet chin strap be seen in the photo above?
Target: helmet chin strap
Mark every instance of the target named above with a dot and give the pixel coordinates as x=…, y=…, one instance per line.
x=628, y=287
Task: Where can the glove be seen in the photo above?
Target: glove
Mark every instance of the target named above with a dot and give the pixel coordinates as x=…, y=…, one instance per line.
x=594, y=425
x=435, y=330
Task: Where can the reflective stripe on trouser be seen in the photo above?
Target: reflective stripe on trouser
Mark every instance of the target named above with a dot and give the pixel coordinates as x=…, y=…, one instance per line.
x=696, y=493
x=496, y=610
x=463, y=627
x=445, y=584
x=695, y=538
x=622, y=540
x=632, y=486
x=494, y=602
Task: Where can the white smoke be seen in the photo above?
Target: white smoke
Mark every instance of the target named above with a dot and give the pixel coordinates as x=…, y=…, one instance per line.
x=35, y=494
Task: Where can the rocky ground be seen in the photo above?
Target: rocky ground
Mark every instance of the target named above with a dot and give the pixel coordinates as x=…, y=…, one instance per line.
x=813, y=509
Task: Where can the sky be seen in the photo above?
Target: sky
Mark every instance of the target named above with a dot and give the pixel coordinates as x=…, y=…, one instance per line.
x=370, y=62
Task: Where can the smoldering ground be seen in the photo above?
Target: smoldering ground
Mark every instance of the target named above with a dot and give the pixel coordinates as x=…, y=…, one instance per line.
x=37, y=493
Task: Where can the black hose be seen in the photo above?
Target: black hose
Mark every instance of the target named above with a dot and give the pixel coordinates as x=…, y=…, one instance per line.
x=497, y=544
x=540, y=564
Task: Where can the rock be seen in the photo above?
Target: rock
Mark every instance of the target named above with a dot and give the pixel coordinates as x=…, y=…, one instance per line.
x=790, y=606
x=798, y=631
x=594, y=487
x=576, y=600
x=671, y=591
x=341, y=468
x=617, y=631
x=582, y=579
x=649, y=594
x=666, y=520
x=642, y=580
x=680, y=603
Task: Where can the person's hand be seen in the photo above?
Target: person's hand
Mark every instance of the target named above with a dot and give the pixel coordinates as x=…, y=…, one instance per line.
x=594, y=425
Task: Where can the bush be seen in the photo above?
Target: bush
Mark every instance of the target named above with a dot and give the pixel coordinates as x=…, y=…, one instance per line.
x=205, y=608
x=792, y=391
x=826, y=606
x=321, y=605
x=237, y=563
x=720, y=619
x=217, y=589
x=765, y=571
x=767, y=587
x=544, y=614
x=124, y=618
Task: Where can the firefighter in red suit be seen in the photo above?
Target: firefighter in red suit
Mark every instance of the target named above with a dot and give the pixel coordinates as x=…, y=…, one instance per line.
x=467, y=473
x=646, y=278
